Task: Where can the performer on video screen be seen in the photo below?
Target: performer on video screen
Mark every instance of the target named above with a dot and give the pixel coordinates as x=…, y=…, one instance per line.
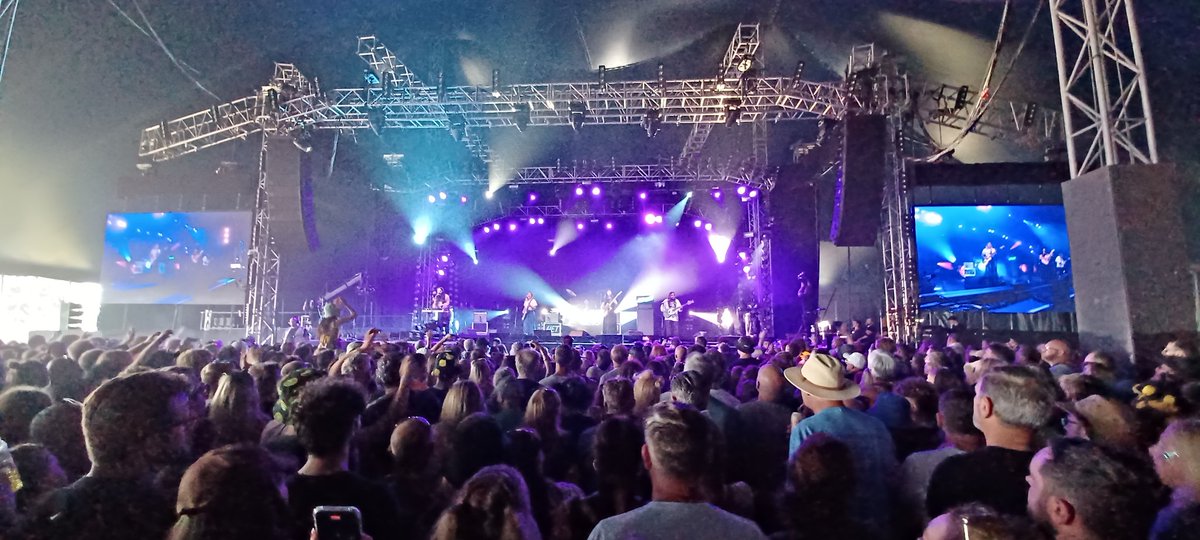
x=989, y=253
x=610, y=326
x=529, y=314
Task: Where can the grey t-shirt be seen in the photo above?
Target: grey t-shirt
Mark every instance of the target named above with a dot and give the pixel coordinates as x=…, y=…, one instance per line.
x=914, y=479
x=661, y=520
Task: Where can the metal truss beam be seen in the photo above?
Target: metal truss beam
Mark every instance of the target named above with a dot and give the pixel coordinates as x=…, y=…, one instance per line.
x=762, y=178
x=395, y=78
x=1102, y=82
x=262, y=291
x=743, y=46
x=1028, y=123
x=684, y=101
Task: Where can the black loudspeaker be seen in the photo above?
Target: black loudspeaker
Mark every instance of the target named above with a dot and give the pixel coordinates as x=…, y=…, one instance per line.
x=290, y=195
x=1128, y=259
x=858, y=200
x=796, y=259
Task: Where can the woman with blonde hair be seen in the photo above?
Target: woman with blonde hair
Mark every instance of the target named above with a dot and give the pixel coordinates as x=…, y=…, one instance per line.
x=494, y=503
x=647, y=391
x=543, y=415
x=481, y=375
x=235, y=410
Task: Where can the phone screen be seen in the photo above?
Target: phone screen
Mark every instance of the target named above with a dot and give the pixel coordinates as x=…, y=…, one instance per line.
x=337, y=523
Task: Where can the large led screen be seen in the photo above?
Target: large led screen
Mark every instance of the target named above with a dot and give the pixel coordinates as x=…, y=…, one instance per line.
x=176, y=258
x=1001, y=259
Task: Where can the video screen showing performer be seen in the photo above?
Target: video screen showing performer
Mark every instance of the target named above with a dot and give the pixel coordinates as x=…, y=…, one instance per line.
x=1002, y=259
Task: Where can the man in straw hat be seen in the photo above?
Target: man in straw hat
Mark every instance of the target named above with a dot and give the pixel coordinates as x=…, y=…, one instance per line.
x=824, y=387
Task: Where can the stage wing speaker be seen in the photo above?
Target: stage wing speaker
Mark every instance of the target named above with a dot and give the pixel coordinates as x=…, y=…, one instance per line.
x=858, y=200
x=290, y=195
x=1129, y=260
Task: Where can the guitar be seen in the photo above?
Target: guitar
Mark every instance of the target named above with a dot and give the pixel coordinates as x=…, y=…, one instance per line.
x=673, y=311
x=611, y=305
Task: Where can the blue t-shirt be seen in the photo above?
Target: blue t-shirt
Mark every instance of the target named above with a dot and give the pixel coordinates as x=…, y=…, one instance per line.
x=676, y=520
x=873, y=452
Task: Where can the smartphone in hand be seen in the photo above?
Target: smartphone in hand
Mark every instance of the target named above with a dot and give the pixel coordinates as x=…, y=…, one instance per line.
x=337, y=523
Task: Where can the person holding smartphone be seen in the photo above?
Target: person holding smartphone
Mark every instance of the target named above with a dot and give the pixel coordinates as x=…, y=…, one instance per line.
x=326, y=419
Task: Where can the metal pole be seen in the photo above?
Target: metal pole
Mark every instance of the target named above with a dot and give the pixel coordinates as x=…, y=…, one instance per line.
x=1100, y=81
x=1135, y=40
x=1064, y=88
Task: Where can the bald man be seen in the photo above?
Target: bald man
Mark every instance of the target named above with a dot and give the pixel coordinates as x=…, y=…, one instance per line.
x=765, y=422
x=1057, y=353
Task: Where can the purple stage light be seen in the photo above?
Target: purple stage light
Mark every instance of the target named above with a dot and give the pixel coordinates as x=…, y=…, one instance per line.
x=532, y=197
x=708, y=226
x=741, y=190
x=650, y=219
x=642, y=195
x=595, y=191
x=541, y=221
x=463, y=199
x=487, y=228
x=579, y=191
x=697, y=223
x=445, y=258
x=658, y=219
x=742, y=255
x=579, y=226
x=532, y=221
x=608, y=226
x=512, y=226
x=441, y=272
x=716, y=194
x=753, y=193
x=746, y=270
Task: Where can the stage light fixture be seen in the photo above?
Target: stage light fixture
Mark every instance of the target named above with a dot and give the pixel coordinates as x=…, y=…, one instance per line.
x=533, y=197
x=708, y=226
x=642, y=195
x=376, y=119
x=716, y=194
x=741, y=190
x=463, y=199
x=432, y=199
x=652, y=121
x=541, y=221
x=733, y=110
x=578, y=191
x=649, y=219
x=579, y=226
x=445, y=258
x=495, y=83
x=595, y=191
x=370, y=78
x=658, y=219
x=608, y=226
x=960, y=99
x=512, y=226
x=441, y=86
x=578, y=114
x=533, y=221
x=521, y=116
x=600, y=75
x=442, y=195
x=303, y=139
x=745, y=63
x=1031, y=110
x=697, y=223
x=753, y=193
x=553, y=252
x=457, y=126
x=489, y=194
x=796, y=76
x=487, y=228
x=441, y=273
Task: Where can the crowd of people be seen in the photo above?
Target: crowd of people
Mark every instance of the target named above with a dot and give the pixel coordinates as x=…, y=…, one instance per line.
x=846, y=437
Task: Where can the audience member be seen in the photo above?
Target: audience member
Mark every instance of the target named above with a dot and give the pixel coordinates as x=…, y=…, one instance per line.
x=819, y=501
x=1057, y=354
x=959, y=435
x=233, y=493
x=1176, y=458
x=1080, y=490
x=493, y=503
x=824, y=389
x=681, y=452
x=1011, y=404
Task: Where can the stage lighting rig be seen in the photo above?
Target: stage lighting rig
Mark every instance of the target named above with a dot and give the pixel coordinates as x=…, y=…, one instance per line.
x=798, y=76
x=377, y=120
x=521, y=116
x=370, y=78
x=745, y=63
x=302, y=139
x=652, y=121
x=733, y=110
x=496, y=83
x=457, y=127
x=960, y=100
x=578, y=114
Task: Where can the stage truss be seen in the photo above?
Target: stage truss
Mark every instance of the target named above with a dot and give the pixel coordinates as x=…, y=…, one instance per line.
x=291, y=104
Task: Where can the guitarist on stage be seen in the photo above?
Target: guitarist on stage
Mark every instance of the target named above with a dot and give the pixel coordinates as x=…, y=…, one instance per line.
x=671, y=307
x=529, y=315
x=610, y=325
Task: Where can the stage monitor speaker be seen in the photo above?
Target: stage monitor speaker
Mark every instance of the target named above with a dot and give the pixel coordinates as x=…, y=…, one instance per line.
x=1133, y=291
x=858, y=200
x=290, y=195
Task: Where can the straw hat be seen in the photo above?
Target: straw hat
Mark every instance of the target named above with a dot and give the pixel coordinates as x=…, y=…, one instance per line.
x=822, y=376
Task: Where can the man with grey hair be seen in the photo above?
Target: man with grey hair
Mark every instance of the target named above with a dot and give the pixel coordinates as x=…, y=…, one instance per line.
x=680, y=454
x=691, y=388
x=1011, y=404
